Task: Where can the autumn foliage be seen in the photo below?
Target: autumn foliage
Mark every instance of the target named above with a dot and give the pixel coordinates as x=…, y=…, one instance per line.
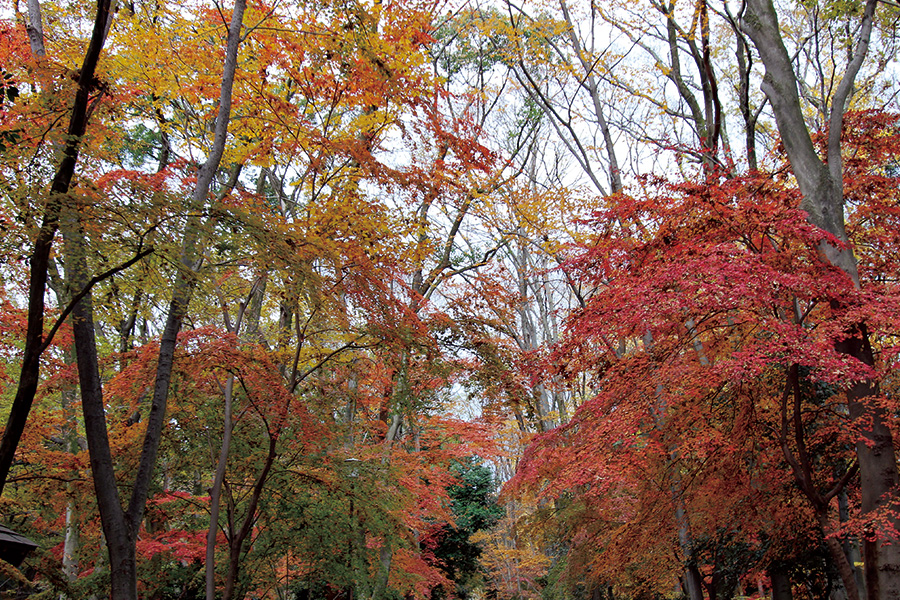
x=709, y=343
x=272, y=275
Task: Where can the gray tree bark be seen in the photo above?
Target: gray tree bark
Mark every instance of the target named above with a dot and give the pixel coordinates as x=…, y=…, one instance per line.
x=34, y=26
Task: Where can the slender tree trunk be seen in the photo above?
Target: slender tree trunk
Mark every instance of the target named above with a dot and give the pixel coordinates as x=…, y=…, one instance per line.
x=850, y=544
x=240, y=536
x=34, y=26
x=231, y=577
x=70, y=439
x=215, y=494
x=70, y=543
x=744, y=68
x=69, y=434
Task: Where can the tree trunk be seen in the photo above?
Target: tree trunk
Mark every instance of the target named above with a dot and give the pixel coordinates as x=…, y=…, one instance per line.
x=850, y=544
x=70, y=439
x=68, y=433
x=120, y=539
x=878, y=475
x=693, y=584
x=239, y=537
x=839, y=559
x=70, y=544
x=34, y=26
x=215, y=494
x=385, y=556
x=781, y=582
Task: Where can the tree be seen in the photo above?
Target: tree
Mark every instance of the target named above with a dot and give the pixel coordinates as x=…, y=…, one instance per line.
x=285, y=278
x=474, y=510
x=730, y=318
x=120, y=526
x=323, y=267
x=821, y=183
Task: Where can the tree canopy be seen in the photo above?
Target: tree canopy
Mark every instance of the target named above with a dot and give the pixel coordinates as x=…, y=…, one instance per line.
x=396, y=299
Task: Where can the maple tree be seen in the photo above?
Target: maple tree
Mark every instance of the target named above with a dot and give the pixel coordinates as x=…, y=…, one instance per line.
x=821, y=183
x=732, y=323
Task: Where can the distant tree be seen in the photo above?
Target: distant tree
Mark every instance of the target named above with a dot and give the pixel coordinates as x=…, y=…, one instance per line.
x=474, y=509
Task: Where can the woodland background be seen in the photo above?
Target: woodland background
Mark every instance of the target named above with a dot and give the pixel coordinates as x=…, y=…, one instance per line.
x=404, y=299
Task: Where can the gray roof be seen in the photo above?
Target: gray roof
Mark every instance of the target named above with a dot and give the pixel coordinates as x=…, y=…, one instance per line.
x=8, y=536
